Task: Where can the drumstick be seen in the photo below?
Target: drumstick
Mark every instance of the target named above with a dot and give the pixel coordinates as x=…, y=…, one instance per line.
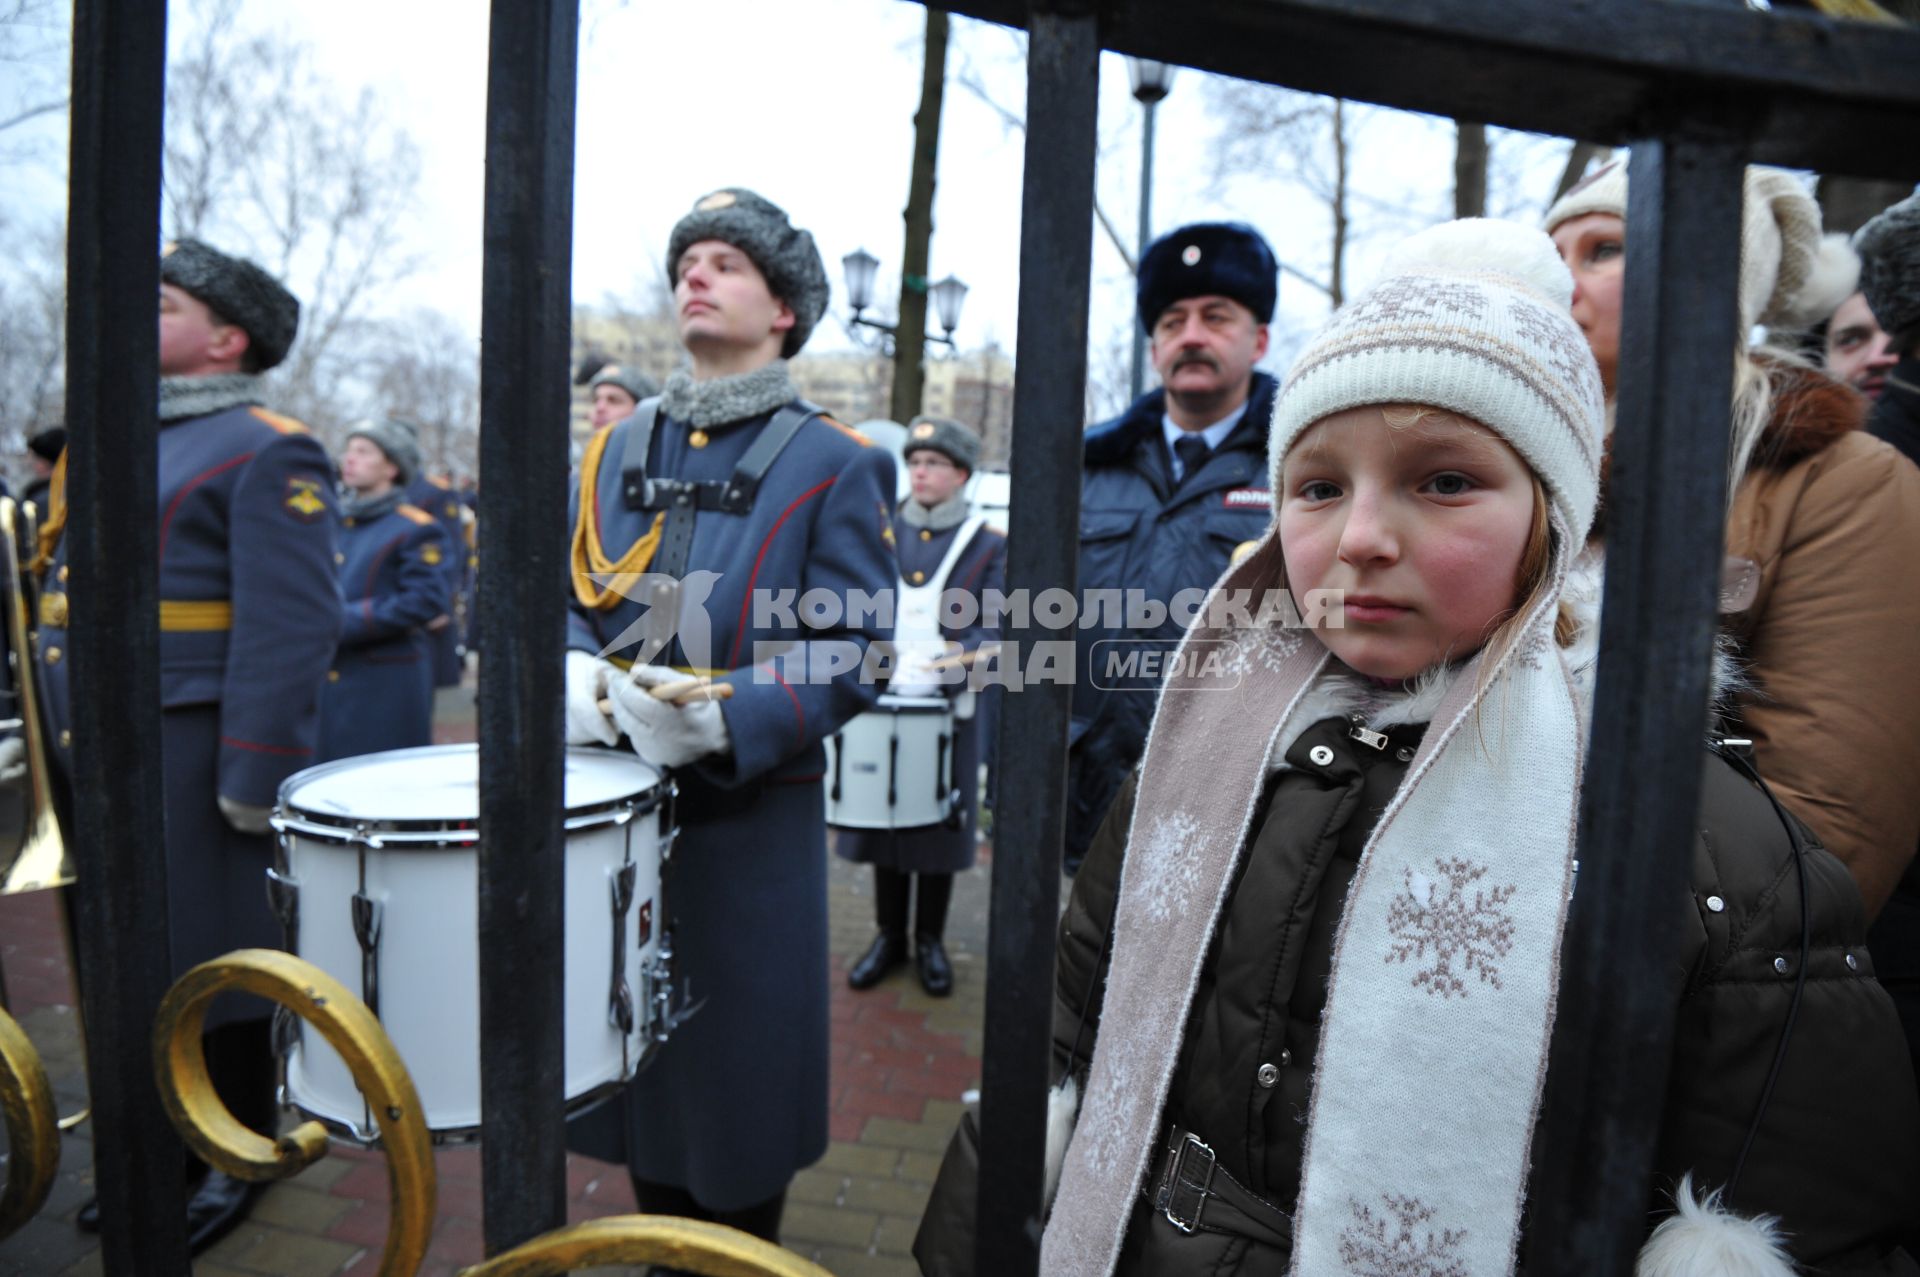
x=964, y=659
x=687, y=691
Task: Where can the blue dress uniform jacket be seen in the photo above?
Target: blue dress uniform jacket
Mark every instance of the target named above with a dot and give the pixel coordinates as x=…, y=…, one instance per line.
x=1139, y=531
x=249, y=614
x=982, y=566
x=736, y=1100
x=439, y=501
x=379, y=693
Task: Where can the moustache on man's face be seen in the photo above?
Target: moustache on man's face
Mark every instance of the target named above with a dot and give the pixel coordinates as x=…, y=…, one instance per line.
x=1196, y=357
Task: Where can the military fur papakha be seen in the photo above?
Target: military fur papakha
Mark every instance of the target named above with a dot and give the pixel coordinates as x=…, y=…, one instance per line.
x=628, y=378
x=785, y=254
x=951, y=439
x=240, y=292
x=1889, y=248
x=398, y=439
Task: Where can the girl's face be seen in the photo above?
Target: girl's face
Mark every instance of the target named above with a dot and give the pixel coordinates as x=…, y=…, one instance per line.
x=1421, y=526
x=1594, y=247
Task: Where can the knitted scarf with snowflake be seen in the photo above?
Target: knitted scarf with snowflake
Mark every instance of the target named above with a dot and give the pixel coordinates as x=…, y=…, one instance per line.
x=1433, y=1046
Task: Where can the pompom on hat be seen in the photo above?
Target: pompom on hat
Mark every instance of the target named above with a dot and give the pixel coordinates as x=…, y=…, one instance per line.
x=1471, y=317
x=240, y=292
x=785, y=254
x=1779, y=239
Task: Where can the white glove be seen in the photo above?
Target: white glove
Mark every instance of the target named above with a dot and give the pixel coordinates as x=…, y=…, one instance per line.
x=13, y=760
x=587, y=678
x=245, y=817
x=663, y=734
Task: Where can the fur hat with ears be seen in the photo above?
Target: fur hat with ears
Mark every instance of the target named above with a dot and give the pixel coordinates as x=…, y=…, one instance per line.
x=628, y=378
x=784, y=253
x=1890, y=269
x=398, y=439
x=240, y=292
x=952, y=439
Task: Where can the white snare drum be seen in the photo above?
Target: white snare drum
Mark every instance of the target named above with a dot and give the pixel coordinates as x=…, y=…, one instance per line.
x=378, y=885
x=892, y=767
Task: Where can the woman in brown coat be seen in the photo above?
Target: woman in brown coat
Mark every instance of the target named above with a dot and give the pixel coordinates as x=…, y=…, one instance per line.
x=1822, y=536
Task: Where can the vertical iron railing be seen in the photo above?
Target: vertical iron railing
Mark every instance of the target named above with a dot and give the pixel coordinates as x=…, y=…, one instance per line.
x=1666, y=501
x=113, y=282
x=1056, y=259
x=524, y=405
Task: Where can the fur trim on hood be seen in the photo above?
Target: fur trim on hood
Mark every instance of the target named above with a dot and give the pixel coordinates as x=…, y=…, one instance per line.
x=1811, y=412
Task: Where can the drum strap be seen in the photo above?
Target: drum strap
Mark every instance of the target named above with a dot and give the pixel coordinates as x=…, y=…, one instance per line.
x=682, y=499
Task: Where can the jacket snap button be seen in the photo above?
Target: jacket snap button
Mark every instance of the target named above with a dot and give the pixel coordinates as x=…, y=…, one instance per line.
x=1715, y=904
x=1320, y=755
x=1286, y=1056
x=1268, y=1075
x=1780, y=965
x=1404, y=753
x=1853, y=963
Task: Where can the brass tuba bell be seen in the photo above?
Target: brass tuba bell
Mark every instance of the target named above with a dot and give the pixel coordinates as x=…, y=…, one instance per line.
x=33, y=856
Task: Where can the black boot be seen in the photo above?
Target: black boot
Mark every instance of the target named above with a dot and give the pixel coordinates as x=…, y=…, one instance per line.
x=216, y=1209
x=936, y=973
x=888, y=950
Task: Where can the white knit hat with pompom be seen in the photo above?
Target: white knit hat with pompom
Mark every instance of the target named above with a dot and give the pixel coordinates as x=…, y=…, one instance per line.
x=1471, y=317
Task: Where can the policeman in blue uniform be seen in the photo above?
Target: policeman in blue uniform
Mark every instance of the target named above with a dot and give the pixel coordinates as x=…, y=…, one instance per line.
x=1173, y=487
x=435, y=495
x=945, y=550
x=393, y=558
x=249, y=614
x=746, y=497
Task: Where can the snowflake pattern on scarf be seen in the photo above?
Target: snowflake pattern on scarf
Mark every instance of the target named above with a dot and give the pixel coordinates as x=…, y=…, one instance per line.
x=1167, y=870
x=1437, y=915
x=1113, y=1085
x=1263, y=647
x=1385, y=1245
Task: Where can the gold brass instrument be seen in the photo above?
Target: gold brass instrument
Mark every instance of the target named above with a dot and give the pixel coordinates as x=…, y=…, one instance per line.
x=213, y=1133
x=689, y=1245
x=40, y=859
x=33, y=1140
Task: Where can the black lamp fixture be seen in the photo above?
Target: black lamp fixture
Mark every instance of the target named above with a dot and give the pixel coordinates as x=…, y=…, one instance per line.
x=861, y=267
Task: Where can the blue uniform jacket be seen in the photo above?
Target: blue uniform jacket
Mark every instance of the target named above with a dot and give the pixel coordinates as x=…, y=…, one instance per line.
x=747, y=894
x=1139, y=532
x=440, y=502
x=379, y=693
x=249, y=609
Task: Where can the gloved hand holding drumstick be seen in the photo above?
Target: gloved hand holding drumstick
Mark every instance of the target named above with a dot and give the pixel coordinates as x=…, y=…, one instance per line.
x=669, y=718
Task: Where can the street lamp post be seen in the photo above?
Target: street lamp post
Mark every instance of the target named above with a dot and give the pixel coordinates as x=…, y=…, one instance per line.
x=1151, y=80
x=861, y=267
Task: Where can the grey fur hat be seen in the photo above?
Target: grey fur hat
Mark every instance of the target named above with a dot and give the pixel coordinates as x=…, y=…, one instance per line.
x=785, y=254
x=1889, y=248
x=400, y=440
x=628, y=378
x=951, y=439
x=242, y=293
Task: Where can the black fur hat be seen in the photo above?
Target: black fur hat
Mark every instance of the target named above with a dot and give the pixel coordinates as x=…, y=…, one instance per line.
x=1889, y=248
x=242, y=293
x=1228, y=259
x=784, y=253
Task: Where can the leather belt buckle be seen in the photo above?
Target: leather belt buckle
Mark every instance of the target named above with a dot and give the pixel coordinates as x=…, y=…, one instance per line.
x=1188, y=1181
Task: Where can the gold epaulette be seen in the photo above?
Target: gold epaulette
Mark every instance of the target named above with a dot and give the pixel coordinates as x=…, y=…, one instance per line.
x=848, y=431
x=285, y=425
x=414, y=513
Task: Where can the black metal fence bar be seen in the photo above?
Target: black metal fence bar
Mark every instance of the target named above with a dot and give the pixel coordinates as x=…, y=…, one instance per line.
x=525, y=322
x=1666, y=502
x=113, y=280
x=1056, y=257
x=1837, y=96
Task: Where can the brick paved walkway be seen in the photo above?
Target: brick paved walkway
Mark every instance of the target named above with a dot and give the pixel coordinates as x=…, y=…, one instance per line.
x=900, y=1062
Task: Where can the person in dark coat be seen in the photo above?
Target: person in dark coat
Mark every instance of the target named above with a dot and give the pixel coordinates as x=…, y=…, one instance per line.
x=45, y=449
x=393, y=557
x=617, y=390
x=249, y=615
x=779, y=501
x=1173, y=486
x=946, y=551
x=434, y=494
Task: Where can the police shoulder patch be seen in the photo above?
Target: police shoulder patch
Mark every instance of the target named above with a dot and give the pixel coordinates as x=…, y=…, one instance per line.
x=285, y=425
x=304, y=500
x=414, y=514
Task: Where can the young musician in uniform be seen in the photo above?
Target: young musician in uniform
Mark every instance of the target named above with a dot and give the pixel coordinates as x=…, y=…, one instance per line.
x=945, y=549
x=746, y=497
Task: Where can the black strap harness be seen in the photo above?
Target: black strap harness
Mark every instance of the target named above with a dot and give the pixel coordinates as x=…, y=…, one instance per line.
x=682, y=499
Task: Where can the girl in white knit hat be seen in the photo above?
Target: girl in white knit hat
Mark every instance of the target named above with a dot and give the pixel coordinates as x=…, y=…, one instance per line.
x=1823, y=529
x=1328, y=909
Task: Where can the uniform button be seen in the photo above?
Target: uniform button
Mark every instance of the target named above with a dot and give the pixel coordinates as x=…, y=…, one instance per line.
x=1320, y=755
x=918, y=577
x=1268, y=1075
x=53, y=656
x=63, y=572
x=1780, y=965
x=339, y=557
x=1853, y=963
x=925, y=535
x=1715, y=904
x=333, y=676
x=66, y=739
x=348, y=521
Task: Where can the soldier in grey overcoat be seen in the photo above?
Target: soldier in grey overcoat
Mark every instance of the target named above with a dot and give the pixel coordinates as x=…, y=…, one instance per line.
x=934, y=529
x=748, y=498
